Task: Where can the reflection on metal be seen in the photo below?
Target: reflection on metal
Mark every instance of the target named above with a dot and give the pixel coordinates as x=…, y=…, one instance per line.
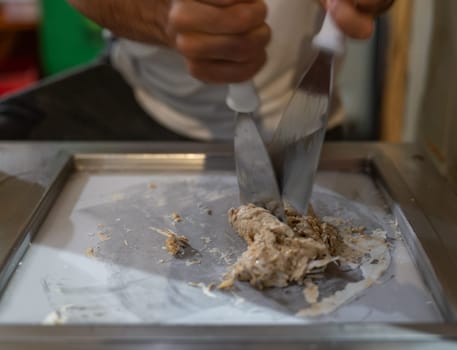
x=437, y=123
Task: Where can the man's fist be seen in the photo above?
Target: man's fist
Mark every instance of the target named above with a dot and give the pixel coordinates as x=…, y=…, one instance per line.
x=222, y=41
x=356, y=17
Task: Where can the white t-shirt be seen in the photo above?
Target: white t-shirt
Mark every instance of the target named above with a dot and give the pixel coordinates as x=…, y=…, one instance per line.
x=178, y=101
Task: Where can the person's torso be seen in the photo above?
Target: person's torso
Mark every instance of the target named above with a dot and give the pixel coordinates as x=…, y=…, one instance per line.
x=189, y=107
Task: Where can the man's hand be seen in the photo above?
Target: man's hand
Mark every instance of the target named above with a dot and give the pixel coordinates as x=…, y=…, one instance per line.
x=356, y=17
x=222, y=41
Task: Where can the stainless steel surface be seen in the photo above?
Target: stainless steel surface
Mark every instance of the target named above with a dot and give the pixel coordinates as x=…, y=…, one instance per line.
x=424, y=204
x=296, y=145
x=256, y=177
x=137, y=282
x=350, y=336
x=24, y=193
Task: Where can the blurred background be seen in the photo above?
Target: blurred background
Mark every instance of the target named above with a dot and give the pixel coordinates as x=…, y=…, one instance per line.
x=397, y=87
x=40, y=38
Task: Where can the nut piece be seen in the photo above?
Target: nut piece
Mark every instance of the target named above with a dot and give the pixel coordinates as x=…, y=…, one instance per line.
x=90, y=252
x=176, y=244
x=176, y=217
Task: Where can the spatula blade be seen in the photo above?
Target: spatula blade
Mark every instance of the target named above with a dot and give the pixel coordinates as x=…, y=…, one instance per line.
x=256, y=177
x=296, y=145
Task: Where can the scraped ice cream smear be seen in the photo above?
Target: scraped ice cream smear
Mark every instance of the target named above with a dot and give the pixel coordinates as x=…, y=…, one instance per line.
x=279, y=254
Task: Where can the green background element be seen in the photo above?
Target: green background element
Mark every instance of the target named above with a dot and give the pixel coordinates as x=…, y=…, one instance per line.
x=68, y=39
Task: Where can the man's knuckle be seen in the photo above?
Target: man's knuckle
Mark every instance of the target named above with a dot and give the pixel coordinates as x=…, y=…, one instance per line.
x=187, y=47
x=261, y=60
x=254, y=65
x=265, y=35
x=367, y=32
x=245, y=49
x=241, y=49
x=177, y=18
x=247, y=18
x=195, y=69
x=181, y=44
x=263, y=8
x=242, y=20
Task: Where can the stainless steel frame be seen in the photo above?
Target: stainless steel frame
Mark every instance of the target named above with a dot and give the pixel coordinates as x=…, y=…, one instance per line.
x=423, y=203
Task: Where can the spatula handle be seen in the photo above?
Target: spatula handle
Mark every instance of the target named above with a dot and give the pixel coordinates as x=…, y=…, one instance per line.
x=330, y=38
x=243, y=97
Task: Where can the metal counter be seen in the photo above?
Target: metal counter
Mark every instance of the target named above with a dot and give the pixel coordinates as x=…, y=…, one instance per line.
x=54, y=198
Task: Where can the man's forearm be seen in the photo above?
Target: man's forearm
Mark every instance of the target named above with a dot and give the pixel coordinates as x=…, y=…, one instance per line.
x=221, y=41
x=139, y=20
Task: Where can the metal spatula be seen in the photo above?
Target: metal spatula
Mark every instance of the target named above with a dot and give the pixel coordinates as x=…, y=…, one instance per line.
x=256, y=177
x=296, y=145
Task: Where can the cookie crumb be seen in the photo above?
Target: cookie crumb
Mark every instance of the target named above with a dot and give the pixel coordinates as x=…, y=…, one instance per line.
x=175, y=244
x=226, y=284
x=90, y=252
x=176, y=217
x=102, y=236
x=193, y=262
x=311, y=292
x=359, y=229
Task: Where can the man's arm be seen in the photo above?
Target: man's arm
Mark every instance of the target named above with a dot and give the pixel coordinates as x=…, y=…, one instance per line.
x=138, y=20
x=356, y=17
x=222, y=41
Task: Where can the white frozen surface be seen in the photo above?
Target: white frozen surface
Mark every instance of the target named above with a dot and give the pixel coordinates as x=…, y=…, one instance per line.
x=133, y=280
